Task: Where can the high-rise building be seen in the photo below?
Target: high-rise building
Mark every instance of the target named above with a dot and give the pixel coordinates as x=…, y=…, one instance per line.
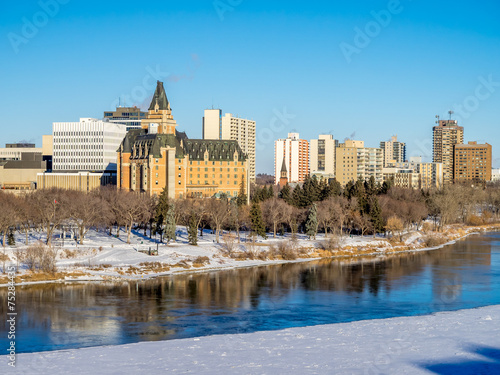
x=295, y=152
x=129, y=116
x=87, y=145
x=355, y=162
x=158, y=156
x=445, y=136
x=322, y=155
x=472, y=162
x=393, y=151
x=216, y=126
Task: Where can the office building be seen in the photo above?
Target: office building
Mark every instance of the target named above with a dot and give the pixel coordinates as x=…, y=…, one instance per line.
x=228, y=127
x=20, y=174
x=393, y=151
x=445, y=136
x=295, y=152
x=87, y=145
x=129, y=116
x=472, y=162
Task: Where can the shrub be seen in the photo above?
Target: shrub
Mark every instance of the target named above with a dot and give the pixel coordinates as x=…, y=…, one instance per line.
x=39, y=257
x=287, y=251
x=434, y=241
x=474, y=220
x=330, y=244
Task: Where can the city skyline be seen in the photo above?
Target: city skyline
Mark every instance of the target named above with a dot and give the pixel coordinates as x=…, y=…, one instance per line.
x=304, y=70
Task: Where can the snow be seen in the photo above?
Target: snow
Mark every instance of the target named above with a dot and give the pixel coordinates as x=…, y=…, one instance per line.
x=459, y=342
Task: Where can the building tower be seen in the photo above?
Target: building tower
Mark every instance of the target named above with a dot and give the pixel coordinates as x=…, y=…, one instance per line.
x=283, y=175
x=472, y=162
x=445, y=136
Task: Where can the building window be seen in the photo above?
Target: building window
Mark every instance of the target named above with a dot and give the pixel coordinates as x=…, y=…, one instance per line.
x=179, y=182
x=156, y=182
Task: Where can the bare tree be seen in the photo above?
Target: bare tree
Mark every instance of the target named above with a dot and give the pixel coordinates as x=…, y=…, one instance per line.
x=218, y=213
x=272, y=210
x=85, y=210
x=7, y=215
x=50, y=208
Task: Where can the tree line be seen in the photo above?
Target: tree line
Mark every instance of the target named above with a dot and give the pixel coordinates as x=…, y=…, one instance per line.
x=361, y=207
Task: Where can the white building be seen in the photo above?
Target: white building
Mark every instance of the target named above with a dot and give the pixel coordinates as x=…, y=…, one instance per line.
x=322, y=155
x=495, y=174
x=216, y=126
x=295, y=151
x=88, y=145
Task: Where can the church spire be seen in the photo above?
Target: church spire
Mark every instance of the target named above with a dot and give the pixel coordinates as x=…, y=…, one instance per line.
x=159, y=100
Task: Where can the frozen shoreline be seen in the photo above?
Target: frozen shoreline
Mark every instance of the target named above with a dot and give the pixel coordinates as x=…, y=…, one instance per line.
x=119, y=255
x=457, y=342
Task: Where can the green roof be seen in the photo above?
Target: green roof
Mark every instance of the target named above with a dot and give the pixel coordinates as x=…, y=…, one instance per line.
x=159, y=97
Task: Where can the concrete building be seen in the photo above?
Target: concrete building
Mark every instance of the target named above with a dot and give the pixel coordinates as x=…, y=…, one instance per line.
x=445, y=136
x=129, y=116
x=14, y=151
x=322, y=156
x=228, y=127
x=81, y=181
x=158, y=156
x=355, y=162
x=295, y=152
x=20, y=175
x=393, y=151
x=472, y=162
x=87, y=145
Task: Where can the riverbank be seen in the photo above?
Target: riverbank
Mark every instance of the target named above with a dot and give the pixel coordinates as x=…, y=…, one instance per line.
x=458, y=342
x=107, y=258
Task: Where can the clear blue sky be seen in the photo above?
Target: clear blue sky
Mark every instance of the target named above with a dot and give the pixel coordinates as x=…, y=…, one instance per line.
x=255, y=58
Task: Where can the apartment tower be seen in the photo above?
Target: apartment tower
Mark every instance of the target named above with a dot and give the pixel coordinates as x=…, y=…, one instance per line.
x=472, y=162
x=393, y=151
x=445, y=136
x=295, y=153
x=216, y=126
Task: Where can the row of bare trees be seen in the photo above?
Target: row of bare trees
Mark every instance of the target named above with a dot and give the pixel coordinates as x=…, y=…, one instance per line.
x=110, y=209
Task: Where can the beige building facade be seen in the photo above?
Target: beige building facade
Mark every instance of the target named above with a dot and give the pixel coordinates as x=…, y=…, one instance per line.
x=355, y=162
x=229, y=127
x=445, y=136
x=322, y=155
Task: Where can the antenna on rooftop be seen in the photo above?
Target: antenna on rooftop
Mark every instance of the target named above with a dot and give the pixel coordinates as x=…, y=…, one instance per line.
x=438, y=117
x=451, y=113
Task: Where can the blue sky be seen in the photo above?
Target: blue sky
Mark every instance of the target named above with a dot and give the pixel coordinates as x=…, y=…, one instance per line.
x=281, y=63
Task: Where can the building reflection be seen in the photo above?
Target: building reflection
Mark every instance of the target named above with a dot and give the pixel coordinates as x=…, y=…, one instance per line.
x=171, y=307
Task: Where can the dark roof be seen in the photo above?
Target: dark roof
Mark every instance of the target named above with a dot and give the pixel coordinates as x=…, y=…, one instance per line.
x=159, y=97
x=283, y=166
x=218, y=150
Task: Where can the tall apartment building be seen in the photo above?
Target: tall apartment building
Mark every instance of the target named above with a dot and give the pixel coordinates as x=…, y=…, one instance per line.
x=355, y=162
x=87, y=145
x=295, y=152
x=228, y=127
x=322, y=155
x=445, y=136
x=129, y=116
x=472, y=162
x=393, y=151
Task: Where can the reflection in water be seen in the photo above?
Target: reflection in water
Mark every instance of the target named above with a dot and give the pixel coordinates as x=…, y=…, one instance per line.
x=55, y=316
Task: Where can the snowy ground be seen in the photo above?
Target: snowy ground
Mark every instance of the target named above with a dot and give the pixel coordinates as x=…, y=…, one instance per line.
x=109, y=257
x=460, y=342
x=104, y=257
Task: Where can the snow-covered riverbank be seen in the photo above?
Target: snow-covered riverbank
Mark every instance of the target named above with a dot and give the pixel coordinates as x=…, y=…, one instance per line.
x=459, y=342
x=107, y=258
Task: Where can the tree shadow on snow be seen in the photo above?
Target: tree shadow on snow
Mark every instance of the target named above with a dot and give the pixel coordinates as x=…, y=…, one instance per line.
x=490, y=364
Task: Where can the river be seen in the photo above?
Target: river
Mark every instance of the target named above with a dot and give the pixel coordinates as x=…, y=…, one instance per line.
x=74, y=315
